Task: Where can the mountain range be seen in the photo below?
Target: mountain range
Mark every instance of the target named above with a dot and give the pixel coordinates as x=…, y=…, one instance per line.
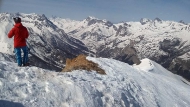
x=166, y=42
x=52, y=40
x=139, y=79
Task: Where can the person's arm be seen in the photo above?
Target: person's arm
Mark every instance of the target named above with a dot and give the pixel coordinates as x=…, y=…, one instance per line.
x=11, y=33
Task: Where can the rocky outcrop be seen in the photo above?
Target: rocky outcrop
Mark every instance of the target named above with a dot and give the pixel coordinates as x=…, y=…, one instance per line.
x=129, y=55
x=181, y=67
x=175, y=48
x=80, y=62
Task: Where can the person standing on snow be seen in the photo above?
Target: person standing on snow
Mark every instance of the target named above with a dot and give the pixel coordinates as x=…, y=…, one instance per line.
x=20, y=34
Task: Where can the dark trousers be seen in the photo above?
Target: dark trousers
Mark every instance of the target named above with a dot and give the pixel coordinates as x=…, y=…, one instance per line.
x=21, y=60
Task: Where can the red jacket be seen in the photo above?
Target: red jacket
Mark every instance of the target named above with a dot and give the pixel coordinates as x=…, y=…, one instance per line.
x=20, y=34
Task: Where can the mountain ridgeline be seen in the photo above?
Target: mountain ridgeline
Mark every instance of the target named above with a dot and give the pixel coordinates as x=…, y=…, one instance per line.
x=166, y=42
x=52, y=40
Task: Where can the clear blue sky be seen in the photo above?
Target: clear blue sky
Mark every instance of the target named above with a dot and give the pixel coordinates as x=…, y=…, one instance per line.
x=112, y=10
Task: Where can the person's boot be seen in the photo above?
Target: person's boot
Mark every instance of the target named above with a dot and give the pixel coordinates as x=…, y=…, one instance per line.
x=27, y=64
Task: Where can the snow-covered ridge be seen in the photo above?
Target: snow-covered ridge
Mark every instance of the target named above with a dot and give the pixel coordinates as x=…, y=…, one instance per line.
x=123, y=86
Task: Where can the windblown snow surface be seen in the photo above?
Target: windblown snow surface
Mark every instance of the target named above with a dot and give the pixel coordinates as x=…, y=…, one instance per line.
x=144, y=85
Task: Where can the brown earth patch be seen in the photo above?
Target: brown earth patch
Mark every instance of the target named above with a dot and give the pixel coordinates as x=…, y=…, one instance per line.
x=81, y=63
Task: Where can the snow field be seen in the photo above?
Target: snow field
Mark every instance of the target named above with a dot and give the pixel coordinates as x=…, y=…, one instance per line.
x=144, y=85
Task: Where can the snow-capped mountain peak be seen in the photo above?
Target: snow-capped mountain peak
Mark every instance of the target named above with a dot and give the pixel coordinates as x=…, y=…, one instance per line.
x=157, y=19
x=90, y=18
x=145, y=20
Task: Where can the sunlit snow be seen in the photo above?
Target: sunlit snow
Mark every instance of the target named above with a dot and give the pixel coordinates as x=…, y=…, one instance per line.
x=144, y=85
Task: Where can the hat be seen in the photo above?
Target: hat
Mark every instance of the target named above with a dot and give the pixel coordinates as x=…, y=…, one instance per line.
x=17, y=19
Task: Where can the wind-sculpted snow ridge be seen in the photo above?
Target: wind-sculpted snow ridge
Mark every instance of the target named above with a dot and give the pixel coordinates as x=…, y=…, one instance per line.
x=144, y=85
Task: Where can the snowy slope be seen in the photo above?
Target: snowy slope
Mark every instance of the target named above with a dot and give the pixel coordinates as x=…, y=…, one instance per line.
x=6, y=44
x=145, y=85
